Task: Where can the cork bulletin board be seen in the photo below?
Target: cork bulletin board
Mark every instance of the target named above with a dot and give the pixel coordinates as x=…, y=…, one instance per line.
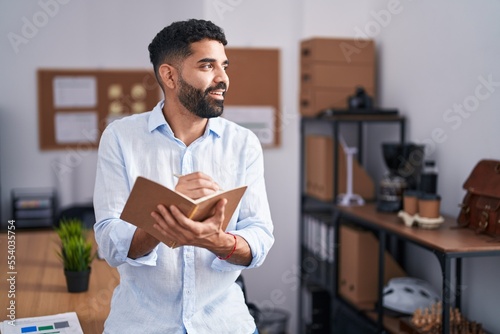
x=74, y=106
x=254, y=92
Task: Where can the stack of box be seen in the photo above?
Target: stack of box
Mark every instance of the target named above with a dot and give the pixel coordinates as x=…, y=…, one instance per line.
x=332, y=69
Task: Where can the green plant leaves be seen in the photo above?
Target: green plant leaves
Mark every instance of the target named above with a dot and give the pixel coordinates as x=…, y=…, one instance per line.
x=76, y=251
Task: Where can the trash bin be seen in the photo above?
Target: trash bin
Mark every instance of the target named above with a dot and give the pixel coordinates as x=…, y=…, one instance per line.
x=272, y=321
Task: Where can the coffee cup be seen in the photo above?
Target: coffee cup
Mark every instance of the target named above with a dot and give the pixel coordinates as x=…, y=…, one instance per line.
x=429, y=205
x=410, y=201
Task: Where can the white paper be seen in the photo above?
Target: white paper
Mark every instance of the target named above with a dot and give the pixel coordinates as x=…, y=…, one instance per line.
x=63, y=323
x=258, y=119
x=331, y=244
x=76, y=127
x=75, y=92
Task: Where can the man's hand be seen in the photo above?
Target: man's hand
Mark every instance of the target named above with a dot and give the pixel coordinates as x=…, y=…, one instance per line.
x=208, y=234
x=174, y=225
x=196, y=185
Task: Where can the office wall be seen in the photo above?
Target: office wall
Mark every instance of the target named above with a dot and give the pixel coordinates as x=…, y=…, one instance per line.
x=430, y=57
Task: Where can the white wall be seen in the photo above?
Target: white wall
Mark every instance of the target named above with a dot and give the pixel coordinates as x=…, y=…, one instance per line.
x=430, y=56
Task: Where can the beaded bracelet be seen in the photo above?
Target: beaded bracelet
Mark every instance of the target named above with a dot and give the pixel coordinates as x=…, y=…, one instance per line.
x=234, y=248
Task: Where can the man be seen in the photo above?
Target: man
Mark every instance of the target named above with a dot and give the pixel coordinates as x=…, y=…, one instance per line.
x=189, y=288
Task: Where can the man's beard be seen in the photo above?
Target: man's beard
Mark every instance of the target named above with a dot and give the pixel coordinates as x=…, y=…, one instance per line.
x=198, y=102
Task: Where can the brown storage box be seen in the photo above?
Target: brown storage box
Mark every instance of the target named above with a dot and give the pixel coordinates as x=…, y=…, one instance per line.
x=319, y=168
x=331, y=70
x=320, y=75
x=337, y=50
x=358, y=276
x=313, y=101
x=319, y=171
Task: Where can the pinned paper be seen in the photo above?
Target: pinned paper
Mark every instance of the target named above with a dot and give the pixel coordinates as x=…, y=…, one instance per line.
x=258, y=119
x=75, y=92
x=76, y=127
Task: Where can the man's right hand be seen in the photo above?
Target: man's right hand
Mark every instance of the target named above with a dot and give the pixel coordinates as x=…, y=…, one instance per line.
x=196, y=185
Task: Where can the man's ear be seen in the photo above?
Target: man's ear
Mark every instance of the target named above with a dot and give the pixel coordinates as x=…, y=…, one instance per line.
x=168, y=75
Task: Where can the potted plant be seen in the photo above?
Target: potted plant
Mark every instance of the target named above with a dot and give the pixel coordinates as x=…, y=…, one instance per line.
x=76, y=254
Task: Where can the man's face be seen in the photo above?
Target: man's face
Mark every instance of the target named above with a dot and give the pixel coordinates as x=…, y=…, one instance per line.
x=203, y=81
x=199, y=102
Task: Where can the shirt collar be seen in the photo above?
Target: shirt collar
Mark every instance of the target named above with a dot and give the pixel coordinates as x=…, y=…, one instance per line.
x=157, y=119
x=215, y=126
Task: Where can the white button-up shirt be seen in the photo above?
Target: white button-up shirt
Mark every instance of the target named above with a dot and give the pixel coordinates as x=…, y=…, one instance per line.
x=187, y=289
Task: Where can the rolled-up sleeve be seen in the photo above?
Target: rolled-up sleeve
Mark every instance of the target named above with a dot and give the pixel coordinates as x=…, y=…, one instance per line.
x=254, y=218
x=112, y=187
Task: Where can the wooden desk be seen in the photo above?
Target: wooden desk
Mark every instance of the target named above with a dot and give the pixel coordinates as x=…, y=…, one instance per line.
x=447, y=243
x=40, y=286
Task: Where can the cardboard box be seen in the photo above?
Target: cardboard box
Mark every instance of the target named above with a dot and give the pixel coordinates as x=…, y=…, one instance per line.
x=343, y=50
x=319, y=167
x=324, y=75
x=319, y=171
x=313, y=101
x=332, y=69
x=358, y=276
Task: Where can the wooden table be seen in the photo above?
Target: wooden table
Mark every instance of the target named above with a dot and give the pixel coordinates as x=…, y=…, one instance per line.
x=40, y=286
x=447, y=242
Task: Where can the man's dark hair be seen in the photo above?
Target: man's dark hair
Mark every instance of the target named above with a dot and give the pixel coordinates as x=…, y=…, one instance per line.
x=173, y=43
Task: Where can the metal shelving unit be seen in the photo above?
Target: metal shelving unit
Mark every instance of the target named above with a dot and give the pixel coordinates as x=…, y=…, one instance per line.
x=320, y=230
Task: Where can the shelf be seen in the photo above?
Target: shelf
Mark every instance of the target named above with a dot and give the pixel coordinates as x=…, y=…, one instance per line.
x=33, y=207
x=366, y=310
x=316, y=271
x=330, y=183
x=356, y=118
x=311, y=204
x=447, y=239
x=447, y=243
x=318, y=266
x=391, y=324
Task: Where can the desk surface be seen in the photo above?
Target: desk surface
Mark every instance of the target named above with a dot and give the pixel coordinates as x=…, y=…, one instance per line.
x=446, y=239
x=41, y=287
